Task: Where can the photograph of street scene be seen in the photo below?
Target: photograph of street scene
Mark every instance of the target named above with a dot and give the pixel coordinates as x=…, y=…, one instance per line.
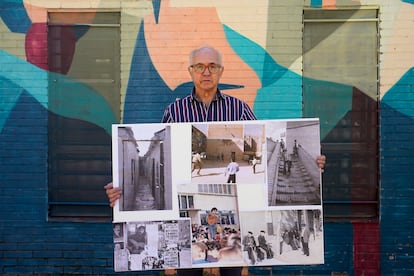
x=293, y=175
x=284, y=237
x=228, y=153
x=144, y=167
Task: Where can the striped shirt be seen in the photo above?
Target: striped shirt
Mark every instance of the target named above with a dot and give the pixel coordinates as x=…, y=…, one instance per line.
x=222, y=108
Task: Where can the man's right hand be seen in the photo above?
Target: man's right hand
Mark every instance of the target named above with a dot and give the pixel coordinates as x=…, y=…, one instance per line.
x=113, y=193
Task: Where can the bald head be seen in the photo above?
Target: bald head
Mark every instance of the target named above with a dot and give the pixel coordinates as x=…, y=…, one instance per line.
x=205, y=49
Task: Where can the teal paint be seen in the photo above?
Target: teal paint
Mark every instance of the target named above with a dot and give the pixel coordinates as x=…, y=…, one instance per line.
x=316, y=3
x=401, y=96
x=326, y=100
x=68, y=97
x=280, y=86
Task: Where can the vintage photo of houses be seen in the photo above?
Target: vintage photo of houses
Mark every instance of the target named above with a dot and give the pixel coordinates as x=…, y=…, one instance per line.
x=238, y=193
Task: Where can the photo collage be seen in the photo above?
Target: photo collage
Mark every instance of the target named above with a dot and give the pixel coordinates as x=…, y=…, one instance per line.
x=216, y=194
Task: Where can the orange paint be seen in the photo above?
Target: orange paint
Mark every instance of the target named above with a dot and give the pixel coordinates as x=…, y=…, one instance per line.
x=180, y=30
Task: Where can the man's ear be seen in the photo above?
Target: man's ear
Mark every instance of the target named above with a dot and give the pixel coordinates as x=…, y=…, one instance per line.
x=190, y=72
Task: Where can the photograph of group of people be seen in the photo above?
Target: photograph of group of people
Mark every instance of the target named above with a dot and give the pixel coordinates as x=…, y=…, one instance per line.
x=228, y=193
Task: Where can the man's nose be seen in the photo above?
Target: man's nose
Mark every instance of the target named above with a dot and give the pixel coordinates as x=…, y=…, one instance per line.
x=206, y=71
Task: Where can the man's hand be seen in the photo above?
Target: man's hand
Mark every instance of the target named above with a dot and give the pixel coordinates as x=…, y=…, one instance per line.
x=320, y=161
x=113, y=193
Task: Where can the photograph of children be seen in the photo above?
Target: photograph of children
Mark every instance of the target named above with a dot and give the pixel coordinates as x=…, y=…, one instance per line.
x=222, y=250
x=144, y=167
x=154, y=245
x=293, y=175
x=284, y=237
x=213, y=211
x=228, y=153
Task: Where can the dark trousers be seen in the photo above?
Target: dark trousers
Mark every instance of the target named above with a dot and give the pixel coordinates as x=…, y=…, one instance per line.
x=224, y=271
x=232, y=178
x=305, y=247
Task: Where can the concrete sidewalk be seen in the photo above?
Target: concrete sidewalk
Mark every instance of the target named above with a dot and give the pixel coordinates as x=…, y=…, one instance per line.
x=213, y=172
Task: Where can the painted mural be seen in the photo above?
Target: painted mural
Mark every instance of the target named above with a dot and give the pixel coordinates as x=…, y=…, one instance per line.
x=155, y=57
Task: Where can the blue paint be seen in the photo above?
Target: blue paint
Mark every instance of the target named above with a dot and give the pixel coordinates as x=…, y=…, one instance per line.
x=147, y=94
x=9, y=93
x=397, y=185
x=14, y=16
x=29, y=243
x=156, y=6
x=23, y=151
x=401, y=96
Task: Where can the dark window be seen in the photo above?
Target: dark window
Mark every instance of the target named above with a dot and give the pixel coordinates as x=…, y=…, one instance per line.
x=186, y=202
x=84, y=87
x=340, y=86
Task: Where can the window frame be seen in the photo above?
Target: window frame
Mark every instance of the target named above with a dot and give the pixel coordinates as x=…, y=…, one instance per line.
x=349, y=209
x=61, y=208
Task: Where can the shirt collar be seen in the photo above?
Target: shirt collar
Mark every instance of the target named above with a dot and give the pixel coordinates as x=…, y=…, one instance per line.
x=218, y=95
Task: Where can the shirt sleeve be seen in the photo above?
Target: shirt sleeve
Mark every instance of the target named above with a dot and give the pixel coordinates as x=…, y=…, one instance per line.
x=166, y=118
x=247, y=113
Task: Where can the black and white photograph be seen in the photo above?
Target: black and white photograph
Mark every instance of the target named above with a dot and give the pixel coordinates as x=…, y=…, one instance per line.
x=150, y=245
x=283, y=237
x=293, y=175
x=143, y=168
x=118, y=229
x=227, y=153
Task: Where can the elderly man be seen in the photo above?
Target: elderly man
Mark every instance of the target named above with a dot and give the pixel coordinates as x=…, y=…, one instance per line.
x=205, y=103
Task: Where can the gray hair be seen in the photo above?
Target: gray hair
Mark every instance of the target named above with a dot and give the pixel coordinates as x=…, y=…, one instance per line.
x=203, y=48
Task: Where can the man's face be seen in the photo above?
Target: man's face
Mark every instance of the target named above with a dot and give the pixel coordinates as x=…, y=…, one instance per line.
x=117, y=229
x=206, y=81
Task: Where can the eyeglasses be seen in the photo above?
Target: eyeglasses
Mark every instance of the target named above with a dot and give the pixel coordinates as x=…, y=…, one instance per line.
x=200, y=68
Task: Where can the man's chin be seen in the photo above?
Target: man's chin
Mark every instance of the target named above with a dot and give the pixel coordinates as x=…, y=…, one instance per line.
x=208, y=86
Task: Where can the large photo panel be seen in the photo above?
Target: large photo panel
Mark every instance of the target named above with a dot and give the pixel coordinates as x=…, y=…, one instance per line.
x=227, y=187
